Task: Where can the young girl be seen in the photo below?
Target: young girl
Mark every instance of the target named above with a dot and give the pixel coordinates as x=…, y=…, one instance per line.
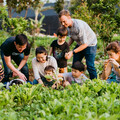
x=59, y=47
x=113, y=63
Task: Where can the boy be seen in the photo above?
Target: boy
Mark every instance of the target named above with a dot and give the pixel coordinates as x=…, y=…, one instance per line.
x=76, y=76
x=59, y=47
x=49, y=79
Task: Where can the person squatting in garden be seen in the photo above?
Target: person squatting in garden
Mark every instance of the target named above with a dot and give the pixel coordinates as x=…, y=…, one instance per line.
x=13, y=49
x=40, y=62
x=85, y=38
x=59, y=47
x=112, y=65
x=76, y=76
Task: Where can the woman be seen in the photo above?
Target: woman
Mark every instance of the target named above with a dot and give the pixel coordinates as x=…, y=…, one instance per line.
x=112, y=64
x=40, y=62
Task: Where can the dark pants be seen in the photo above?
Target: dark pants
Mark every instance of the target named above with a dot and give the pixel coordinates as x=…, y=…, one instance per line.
x=17, y=59
x=89, y=54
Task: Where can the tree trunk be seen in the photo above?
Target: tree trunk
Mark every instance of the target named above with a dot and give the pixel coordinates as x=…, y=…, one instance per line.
x=36, y=16
x=1, y=2
x=10, y=12
x=26, y=12
x=37, y=30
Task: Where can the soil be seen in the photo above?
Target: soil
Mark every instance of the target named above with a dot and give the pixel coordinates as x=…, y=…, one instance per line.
x=31, y=75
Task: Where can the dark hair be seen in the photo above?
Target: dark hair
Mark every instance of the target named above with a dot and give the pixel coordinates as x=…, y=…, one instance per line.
x=62, y=31
x=78, y=66
x=21, y=39
x=40, y=50
x=114, y=46
x=49, y=68
x=64, y=12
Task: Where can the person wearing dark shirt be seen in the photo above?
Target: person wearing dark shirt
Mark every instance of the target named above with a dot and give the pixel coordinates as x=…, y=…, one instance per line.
x=1, y=73
x=59, y=47
x=13, y=49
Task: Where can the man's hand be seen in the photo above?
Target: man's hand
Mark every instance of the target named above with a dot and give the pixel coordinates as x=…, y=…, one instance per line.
x=69, y=55
x=22, y=76
x=14, y=74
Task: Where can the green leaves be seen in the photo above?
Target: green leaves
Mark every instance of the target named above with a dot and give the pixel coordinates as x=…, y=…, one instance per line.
x=95, y=99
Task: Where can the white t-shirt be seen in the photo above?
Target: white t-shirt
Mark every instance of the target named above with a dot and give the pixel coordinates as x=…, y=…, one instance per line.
x=82, y=33
x=38, y=68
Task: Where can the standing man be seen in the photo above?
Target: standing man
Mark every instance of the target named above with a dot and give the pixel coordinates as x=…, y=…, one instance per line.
x=86, y=40
x=13, y=48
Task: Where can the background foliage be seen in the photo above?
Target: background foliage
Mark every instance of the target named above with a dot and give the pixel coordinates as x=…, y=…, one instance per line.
x=102, y=15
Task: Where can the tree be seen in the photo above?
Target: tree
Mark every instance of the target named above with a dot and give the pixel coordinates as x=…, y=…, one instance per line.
x=102, y=15
x=109, y=14
x=1, y=2
x=20, y=5
x=11, y=4
x=59, y=5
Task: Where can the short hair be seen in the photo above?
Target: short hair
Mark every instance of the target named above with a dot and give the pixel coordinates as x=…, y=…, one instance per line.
x=78, y=66
x=62, y=31
x=21, y=39
x=49, y=68
x=40, y=50
x=114, y=46
x=64, y=12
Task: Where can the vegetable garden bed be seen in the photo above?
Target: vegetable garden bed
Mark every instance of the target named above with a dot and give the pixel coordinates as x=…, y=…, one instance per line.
x=95, y=100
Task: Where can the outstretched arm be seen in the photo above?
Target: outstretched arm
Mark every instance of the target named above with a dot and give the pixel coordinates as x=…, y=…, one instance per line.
x=80, y=48
x=107, y=70
x=23, y=62
x=15, y=71
x=70, y=41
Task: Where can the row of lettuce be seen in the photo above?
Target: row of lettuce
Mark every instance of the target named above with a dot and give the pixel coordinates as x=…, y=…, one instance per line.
x=92, y=101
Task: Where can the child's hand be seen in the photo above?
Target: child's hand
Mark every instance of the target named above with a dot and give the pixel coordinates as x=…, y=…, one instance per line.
x=40, y=82
x=114, y=62
x=54, y=86
x=105, y=63
x=66, y=83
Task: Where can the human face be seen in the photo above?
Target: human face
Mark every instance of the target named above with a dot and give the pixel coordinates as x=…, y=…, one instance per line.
x=112, y=54
x=41, y=57
x=61, y=39
x=76, y=73
x=20, y=48
x=66, y=21
x=49, y=73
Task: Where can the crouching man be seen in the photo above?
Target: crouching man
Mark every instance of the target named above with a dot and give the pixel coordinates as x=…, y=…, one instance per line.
x=16, y=49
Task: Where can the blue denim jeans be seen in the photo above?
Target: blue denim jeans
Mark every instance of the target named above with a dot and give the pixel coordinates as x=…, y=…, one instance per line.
x=89, y=54
x=17, y=59
x=35, y=82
